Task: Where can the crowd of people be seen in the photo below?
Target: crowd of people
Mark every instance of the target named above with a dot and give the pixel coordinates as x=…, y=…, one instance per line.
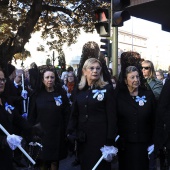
x=98, y=113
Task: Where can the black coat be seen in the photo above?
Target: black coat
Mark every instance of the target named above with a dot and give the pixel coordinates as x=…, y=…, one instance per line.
x=136, y=123
x=162, y=129
x=97, y=119
x=8, y=121
x=53, y=120
x=14, y=94
x=135, y=127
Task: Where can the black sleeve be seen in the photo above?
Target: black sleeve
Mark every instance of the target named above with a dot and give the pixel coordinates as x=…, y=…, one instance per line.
x=3, y=142
x=163, y=109
x=73, y=119
x=65, y=109
x=22, y=124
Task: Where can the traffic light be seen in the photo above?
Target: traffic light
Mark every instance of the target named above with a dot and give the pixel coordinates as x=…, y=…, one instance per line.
x=102, y=24
x=106, y=47
x=119, y=14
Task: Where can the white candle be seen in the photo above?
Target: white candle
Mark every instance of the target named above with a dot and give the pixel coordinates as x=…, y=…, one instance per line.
x=98, y=162
x=20, y=147
x=22, y=81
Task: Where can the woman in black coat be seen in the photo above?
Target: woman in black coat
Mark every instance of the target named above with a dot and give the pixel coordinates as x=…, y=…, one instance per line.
x=50, y=107
x=8, y=119
x=162, y=129
x=93, y=116
x=135, y=114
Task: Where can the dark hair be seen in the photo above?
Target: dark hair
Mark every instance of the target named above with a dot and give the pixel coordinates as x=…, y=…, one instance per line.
x=110, y=71
x=114, y=77
x=10, y=69
x=41, y=70
x=57, y=80
x=33, y=77
x=70, y=69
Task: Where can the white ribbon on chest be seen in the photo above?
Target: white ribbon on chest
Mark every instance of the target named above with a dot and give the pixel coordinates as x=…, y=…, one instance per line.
x=99, y=94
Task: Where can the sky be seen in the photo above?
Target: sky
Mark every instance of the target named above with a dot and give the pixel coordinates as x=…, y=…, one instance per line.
x=158, y=43
x=148, y=29
x=156, y=38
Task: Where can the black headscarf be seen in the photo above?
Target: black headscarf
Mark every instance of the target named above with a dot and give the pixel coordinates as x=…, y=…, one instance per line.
x=91, y=50
x=131, y=58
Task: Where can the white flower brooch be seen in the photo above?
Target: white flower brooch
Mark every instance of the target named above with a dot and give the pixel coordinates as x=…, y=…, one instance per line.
x=99, y=94
x=141, y=100
x=58, y=100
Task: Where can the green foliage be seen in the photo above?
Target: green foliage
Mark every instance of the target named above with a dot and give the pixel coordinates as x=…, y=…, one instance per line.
x=58, y=20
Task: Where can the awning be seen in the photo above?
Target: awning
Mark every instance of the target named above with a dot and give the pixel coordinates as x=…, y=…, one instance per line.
x=156, y=11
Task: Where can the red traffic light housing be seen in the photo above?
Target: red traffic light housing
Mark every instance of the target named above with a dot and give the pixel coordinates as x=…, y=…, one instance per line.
x=102, y=24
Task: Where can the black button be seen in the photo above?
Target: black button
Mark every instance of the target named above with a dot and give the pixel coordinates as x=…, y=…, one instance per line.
x=87, y=116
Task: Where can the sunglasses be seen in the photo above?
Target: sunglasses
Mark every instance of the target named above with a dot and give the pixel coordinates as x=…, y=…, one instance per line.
x=146, y=68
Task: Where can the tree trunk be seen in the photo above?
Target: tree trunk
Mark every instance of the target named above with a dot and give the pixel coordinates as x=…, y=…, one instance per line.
x=16, y=44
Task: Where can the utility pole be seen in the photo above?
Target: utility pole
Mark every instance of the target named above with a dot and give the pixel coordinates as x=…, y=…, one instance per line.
x=53, y=58
x=115, y=51
x=118, y=16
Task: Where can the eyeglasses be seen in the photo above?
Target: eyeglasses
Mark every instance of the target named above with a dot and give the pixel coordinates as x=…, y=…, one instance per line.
x=146, y=68
x=92, y=68
x=48, y=77
x=3, y=80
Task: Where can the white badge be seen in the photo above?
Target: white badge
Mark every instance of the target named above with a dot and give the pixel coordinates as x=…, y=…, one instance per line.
x=141, y=103
x=57, y=103
x=100, y=97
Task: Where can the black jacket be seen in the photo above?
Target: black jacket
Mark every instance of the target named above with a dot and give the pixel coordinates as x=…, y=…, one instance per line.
x=53, y=120
x=9, y=121
x=97, y=119
x=162, y=129
x=135, y=122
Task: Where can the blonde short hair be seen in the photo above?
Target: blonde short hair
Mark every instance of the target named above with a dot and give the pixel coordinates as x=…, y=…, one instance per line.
x=99, y=83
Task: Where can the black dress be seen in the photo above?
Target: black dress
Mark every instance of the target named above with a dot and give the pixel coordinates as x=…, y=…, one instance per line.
x=8, y=121
x=53, y=119
x=162, y=129
x=96, y=117
x=135, y=127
